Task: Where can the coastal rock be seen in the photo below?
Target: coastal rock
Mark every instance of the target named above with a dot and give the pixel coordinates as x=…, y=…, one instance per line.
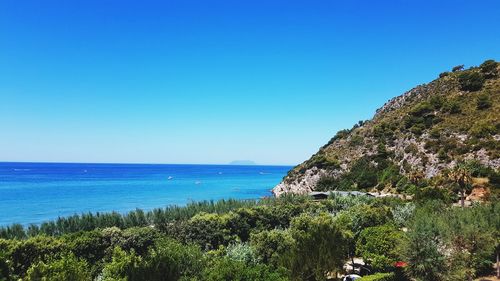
x=301, y=185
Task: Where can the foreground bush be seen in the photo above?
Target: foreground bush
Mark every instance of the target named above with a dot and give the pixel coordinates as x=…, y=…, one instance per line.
x=379, y=246
x=67, y=268
x=452, y=243
x=167, y=260
x=320, y=247
x=379, y=277
x=228, y=269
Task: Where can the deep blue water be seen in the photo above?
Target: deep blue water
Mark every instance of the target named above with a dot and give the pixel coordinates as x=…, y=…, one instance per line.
x=36, y=192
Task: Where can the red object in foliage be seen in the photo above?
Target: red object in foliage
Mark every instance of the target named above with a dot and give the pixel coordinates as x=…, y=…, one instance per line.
x=400, y=264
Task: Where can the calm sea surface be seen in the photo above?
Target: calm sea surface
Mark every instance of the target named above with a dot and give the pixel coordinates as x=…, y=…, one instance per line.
x=36, y=192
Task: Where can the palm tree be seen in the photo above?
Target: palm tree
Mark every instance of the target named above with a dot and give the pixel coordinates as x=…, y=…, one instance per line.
x=461, y=176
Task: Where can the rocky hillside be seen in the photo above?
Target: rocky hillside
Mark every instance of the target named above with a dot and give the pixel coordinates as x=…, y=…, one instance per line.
x=418, y=135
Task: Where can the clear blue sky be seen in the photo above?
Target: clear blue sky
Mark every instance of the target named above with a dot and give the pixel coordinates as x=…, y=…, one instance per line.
x=214, y=81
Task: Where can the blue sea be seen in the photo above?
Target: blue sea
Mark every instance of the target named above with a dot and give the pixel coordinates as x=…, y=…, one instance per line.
x=36, y=192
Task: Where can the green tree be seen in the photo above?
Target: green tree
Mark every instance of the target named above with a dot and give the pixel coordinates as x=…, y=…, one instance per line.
x=320, y=247
x=272, y=246
x=470, y=81
x=357, y=218
x=92, y=246
x=167, y=260
x=140, y=239
x=489, y=68
x=422, y=251
x=470, y=235
x=27, y=252
x=67, y=268
x=209, y=230
x=123, y=267
x=170, y=260
x=226, y=269
x=379, y=245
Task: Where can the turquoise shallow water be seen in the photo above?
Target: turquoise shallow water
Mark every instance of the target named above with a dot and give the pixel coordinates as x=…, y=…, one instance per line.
x=36, y=192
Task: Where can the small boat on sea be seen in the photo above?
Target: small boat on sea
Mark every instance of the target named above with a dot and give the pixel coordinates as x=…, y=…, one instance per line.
x=170, y=177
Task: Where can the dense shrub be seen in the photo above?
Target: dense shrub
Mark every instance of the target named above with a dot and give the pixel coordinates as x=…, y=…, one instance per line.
x=208, y=230
x=320, y=246
x=272, y=246
x=403, y=213
x=379, y=246
x=322, y=161
x=242, y=252
x=443, y=74
x=326, y=183
x=389, y=176
x=483, y=101
x=356, y=140
x=422, y=252
x=452, y=106
x=339, y=135
x=436, y=101
x=451, y=243
x=421, y=109
x=4, y=265
x=471, y=81
x=379, y=277
x=167, y=260
x=25, y=253
x=477, y=169
x=362, y=216
x=384, y=131
x=67, y=268
x=457, y=68
x=489, y=68
x=471, y=237
x=482, y=129
x=160, y=217
x=363, y=173
x=419, y=118
x=433, y=193
x=123, y=266
x=228, y=269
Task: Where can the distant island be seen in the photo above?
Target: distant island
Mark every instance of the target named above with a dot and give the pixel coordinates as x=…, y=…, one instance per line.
x=242, y=162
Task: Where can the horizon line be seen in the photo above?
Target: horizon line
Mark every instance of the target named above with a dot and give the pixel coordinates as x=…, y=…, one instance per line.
x=144, y=163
